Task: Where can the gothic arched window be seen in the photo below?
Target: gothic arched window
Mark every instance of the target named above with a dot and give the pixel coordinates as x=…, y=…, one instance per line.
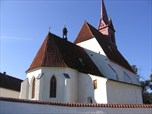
x=33, y=88
x=53, y=87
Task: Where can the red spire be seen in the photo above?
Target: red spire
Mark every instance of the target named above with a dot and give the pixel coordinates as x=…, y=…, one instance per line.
x=104, y=20
x=105, y=25
x=104, y=15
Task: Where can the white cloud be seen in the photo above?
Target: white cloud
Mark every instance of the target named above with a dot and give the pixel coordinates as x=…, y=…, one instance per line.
x=14, y=38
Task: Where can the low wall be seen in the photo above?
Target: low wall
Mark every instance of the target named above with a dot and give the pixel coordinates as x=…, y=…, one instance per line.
x=19, y=106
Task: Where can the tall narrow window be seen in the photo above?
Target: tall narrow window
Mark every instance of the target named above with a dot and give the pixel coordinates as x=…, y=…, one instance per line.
x=53, y=87
x=33, y=88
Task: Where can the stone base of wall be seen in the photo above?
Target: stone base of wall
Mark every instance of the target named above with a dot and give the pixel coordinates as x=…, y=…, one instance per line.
x=18, y=106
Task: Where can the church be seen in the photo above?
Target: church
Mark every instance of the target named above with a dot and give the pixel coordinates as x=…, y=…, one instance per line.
x=90, y=70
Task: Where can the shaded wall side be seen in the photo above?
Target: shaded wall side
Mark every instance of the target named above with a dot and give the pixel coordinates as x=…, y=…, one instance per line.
x=121, y=93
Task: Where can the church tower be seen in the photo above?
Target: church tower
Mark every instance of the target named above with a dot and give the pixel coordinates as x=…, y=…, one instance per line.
x=105, y=25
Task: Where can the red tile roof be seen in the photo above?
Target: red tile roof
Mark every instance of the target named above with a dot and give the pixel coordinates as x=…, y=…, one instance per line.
x=87, y=32
x=10, y=82
x=57, y=52
x=77, y=104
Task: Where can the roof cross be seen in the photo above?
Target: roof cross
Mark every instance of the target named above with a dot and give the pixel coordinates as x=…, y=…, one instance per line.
x=49, y=28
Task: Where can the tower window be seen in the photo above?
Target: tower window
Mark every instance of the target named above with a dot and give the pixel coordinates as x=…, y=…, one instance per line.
x=53, y=87
x=33, y=88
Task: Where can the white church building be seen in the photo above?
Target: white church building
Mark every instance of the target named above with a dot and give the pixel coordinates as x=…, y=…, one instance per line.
x=90, y=70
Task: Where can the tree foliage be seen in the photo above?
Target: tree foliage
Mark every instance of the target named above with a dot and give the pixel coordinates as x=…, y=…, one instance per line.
x=147, y=90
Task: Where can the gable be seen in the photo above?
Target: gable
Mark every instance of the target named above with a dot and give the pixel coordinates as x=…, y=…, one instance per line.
x=92, y=45
x=84, y=35
x=110, y=50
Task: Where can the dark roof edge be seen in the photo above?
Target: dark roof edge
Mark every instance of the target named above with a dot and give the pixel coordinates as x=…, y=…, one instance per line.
x=64, y=67
x=10, y=76
x=76, y=104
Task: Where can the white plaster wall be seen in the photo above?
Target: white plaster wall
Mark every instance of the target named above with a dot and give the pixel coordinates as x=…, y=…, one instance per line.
x=45, y=87
x=31, y=75
x=24, y=89
x=26, y=108
x=62, y=90
x=9, y=93
x=34, y=73
x=121, y=93
x=86, y=89
x=92, y=45
x=66, y=88
x=73, y=84
x=100, y=94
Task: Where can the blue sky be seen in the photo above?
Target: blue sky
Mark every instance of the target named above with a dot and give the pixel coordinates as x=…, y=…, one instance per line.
x=24, y=25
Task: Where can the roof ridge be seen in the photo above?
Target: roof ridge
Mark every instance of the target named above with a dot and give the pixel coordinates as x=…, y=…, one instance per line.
x=1, y=74
x=58, y=51
x=43, y=56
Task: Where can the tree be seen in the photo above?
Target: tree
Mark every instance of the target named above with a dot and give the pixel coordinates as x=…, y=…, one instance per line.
x=147, y=86
x=147, y=90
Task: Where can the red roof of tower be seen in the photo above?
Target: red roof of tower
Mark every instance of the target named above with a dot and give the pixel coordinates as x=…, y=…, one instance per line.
x=104, y=18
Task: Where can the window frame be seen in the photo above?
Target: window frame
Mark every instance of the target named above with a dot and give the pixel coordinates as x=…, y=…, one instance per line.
x=95, y=84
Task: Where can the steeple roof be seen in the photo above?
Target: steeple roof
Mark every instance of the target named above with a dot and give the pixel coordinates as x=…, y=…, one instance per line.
x=87, y=32
x=104, y=15
x=105, y=20
x=57, y=52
